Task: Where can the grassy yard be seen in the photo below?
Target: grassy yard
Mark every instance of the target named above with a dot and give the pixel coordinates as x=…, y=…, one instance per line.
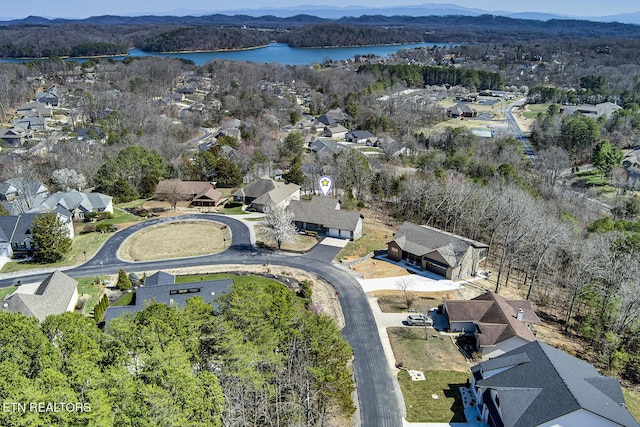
x=125, y=299
x=88, y=286
x=375, y=236
x=534, y=109
x=237, y=210
x=395, y=302
x=7, y=291
x=249, y=279
x=632, y=399
x=444, y=368
x=419, y=398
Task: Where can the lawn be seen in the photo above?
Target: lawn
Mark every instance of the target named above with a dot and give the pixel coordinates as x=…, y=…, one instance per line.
x=375, y=236
x=419, y=396
x=238, y=279
x=534, y=109
x=237, y=210
x=176, y=240
x=632, y=399
x=395, y=301
x=445, y=370
x=125, y=299
x=7, y=291
x=88, y=286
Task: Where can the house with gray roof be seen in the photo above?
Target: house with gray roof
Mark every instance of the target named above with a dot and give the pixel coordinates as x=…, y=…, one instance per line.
x=604, y=109
x=497, y=323
x=325, y=145
x=78, y=203
x=358, y=136
x=161, y=288
x=198, y=193
x=323, y=215
x=539, y=385
x=265, y=190
x=15, y=136
x=33, y=109
x=57, y=294
x=16, y=236
x=31, y=123
x=438, y=251
x=20, y=194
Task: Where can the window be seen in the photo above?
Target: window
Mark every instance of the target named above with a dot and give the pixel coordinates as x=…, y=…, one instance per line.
x=184, y=291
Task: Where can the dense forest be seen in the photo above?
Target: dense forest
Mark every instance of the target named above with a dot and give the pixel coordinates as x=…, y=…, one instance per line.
x=259, y=357
x=205, y=38
x=323, y=35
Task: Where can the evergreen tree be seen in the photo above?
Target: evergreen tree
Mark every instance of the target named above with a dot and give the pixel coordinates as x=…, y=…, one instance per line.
x=50, y=238
x=124, y=283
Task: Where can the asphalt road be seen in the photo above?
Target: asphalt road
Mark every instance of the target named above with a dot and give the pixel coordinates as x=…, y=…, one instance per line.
x=377, y=400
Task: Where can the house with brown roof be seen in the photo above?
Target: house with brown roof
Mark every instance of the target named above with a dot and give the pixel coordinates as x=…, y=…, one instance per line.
x=498, y=324
x=323, y=215
x=435, y=250
x=265, y=190
x=57, y=294
x=198, y=193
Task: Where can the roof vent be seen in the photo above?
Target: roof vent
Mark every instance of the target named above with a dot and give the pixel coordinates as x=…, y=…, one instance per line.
x=520, y=314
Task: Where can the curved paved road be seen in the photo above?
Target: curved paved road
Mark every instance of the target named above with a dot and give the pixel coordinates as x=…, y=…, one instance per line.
x=378, y=402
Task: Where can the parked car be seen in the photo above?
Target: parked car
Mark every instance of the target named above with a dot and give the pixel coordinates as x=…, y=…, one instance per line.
x=419, y=320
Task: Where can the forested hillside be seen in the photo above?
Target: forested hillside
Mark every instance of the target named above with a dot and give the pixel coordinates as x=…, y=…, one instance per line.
x=38, y=37
x=262, y=357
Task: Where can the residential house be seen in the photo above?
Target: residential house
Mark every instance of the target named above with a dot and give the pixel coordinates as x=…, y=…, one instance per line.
x=265, y=190
x=438, y=251
x=34, y=109
x=79, y=203
x=604, y=109
x=461, y=110
x=31, y=123
x=199, y=193
x=323, y=215
x=539, y=385
x=323, y=145
x=161, y=288
x=392, y=147
x=91, y=134
x=16, y=236
x=358, y=136
x=20, y=194
x=51, y=97
x=498, y=324
x=335, y=131
x=14, y=137
x=58, y=293
x=333, y=116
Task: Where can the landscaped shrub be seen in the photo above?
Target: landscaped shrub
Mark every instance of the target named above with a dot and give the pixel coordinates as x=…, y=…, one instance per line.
x=233, y=205
x=100, y=308
x=89, y=228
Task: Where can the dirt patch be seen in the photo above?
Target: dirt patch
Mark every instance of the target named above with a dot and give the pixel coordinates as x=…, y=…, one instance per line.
x=374, y=268
x=176, y=240
x=394, y=301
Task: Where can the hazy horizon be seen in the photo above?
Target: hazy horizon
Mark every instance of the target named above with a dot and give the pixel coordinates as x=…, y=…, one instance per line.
x=82, y=9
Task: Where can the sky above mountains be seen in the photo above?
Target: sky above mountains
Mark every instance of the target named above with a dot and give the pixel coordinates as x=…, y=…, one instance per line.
x=86, y=8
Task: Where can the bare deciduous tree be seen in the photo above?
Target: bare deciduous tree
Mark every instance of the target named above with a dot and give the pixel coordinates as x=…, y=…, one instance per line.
x=278, y=224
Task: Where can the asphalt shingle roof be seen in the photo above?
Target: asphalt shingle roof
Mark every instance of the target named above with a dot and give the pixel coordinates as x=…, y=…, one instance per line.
x=324, y=211
x=52, y=297
x=422, y=239
x=549, y=385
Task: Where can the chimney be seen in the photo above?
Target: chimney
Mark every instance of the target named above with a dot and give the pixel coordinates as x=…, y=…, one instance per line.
x=520, y=314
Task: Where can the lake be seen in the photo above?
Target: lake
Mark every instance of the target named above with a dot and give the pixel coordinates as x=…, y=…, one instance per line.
x=279, y=53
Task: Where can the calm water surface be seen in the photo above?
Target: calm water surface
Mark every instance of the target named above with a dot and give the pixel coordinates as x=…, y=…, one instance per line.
x=279, y=53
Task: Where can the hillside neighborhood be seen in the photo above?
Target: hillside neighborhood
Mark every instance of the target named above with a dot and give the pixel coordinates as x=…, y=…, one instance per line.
x=332, y=245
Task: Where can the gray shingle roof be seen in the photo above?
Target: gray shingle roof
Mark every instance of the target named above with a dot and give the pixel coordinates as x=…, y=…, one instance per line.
x=257, y=188
x=53, y=296
x=551, y=384
x=76, y=200
x=160, y=287
x=324, y=211
x=422, y=239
